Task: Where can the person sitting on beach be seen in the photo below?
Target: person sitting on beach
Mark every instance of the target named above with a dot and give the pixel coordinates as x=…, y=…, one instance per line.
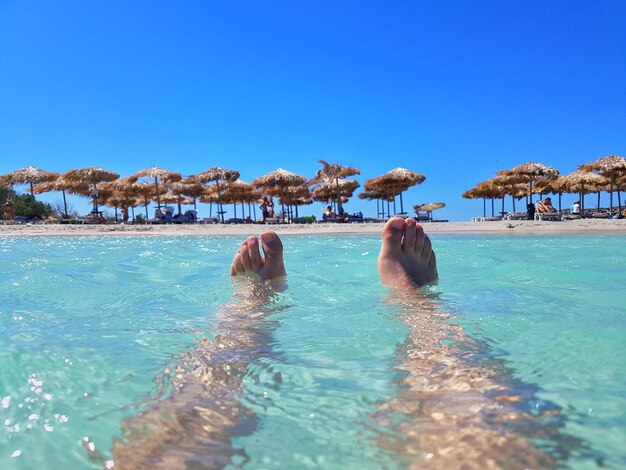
x=545, y=206
x=575, y=208
x=329, y=213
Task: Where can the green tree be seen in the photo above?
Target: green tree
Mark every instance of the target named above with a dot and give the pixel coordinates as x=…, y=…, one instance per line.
x=26, y=205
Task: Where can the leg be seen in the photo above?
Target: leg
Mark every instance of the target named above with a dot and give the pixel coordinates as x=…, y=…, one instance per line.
x=406, y=257
x=192, y=427
x=460, y=413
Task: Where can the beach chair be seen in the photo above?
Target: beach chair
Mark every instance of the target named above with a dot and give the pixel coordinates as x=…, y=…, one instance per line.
x=552, y=216
x=517, y=216
x=422, y=217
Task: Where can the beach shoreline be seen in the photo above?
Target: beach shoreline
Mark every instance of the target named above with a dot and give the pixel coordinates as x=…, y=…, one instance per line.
x=523, y=227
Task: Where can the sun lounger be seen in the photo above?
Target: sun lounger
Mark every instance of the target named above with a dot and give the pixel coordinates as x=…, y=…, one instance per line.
x=517, y=216
x=553, y=216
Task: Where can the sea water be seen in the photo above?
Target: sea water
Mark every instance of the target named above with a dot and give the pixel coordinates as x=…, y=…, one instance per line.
x=89, y=326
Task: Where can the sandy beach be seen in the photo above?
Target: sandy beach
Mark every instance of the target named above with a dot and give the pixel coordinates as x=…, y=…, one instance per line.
x=524, y=227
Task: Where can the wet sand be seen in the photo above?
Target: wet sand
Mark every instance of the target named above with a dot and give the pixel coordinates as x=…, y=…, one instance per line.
x=517, y=227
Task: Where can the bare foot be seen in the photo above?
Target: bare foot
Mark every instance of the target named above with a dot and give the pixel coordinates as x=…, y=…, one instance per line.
x=406, y=257
x=248, y=259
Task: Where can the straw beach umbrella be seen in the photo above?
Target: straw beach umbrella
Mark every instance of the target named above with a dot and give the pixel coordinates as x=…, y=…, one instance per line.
x=93, y=176
x=483, y=191
x=29, y=175
x=63, y=185
x=330, y=175
x=429, y=207
x=215, y=175
x=277, y=182
x=395, y=182
x=159, y=175
x=612, y=166
x=582, y=182
x=239, y=191
x=375, y=194
x=531, y=172
x=328, y=192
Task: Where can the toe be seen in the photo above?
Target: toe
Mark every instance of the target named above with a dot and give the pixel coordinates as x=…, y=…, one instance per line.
x=272, y=246
x=237, y=266
x=408, y=242
x=245, y=256
x=420, y=239
x=432, y=262
x=255, y=255
x=427, y=249
x=392, y=235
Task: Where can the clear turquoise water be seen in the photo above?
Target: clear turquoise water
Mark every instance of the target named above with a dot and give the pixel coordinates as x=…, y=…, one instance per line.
x=88, y=324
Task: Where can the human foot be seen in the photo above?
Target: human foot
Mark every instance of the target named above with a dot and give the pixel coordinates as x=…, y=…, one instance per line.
x=406, y=257
x=248, y=259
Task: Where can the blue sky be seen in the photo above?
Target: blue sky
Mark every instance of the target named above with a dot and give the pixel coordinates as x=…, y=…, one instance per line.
x=455, y=90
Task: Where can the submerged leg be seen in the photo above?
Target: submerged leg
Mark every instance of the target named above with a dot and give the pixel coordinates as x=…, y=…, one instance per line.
x=193, y=426
x=406, y=257
x=458, y=412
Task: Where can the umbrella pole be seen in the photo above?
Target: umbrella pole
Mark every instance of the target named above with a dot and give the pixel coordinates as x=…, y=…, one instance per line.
x=559, y=202
x=484, y=207
x=65, y=204
x=598, y=200
x=115, y=214
x=502, y=206
x=156, y=182
x=401, y=205
x=132, y=211
x=611, y=191
x=531, y=191
x=513, y=197
x=235, y=210
x=581, y=196
x=219, y=202
x=194, y=204
x=388, y=209
x=254, y=210
x=492, y=208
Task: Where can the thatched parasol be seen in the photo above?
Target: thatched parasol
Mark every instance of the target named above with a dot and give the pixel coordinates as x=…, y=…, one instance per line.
x=395, y=182
x=484, y=190
x=342, y=188
x=530, y=172
x=380, y=196
x=239, y=191
x=215, y=175
x=159, y=175
x=581, y=182
x=276, y=183
x=429, y=207
x=63, y=185
x=331, y=172
x=612, y=167
x=330, y=176
x=29, y=175
x=93, y=176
